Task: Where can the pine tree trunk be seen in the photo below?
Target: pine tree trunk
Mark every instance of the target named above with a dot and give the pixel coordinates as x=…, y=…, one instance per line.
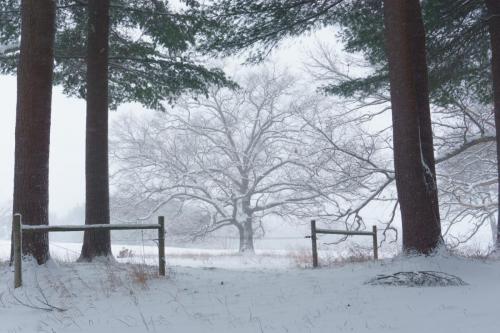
x=34, y=98
x=423, y=105
x=412, y=132
x=97, y=243
x=494, y=27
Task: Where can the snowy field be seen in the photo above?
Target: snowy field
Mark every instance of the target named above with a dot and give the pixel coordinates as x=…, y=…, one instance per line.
x=222, y=292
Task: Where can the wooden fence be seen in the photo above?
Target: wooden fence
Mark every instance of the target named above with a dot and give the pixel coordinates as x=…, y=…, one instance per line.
x=19, y=229
x=315, y=231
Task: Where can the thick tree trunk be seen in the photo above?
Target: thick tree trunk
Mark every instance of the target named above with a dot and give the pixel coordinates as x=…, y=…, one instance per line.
x=412, y=132
x=494, y=27
x=423, y=105
x=97, y=243
x=246, y=237
x=34, y=98
x=248, y=242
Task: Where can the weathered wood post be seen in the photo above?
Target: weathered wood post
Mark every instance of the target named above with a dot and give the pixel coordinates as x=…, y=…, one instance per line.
x=375, y=243
x=314, y=245
x=18, y=248
x=161, y=245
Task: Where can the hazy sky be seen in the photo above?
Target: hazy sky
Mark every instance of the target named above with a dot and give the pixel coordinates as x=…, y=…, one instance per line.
x=67, y=147
x=67, y=159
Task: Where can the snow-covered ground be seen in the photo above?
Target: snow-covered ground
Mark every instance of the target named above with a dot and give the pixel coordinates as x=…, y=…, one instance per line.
x=229, y=293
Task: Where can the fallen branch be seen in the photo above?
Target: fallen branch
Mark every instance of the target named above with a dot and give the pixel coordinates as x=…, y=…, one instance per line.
x=418, y=279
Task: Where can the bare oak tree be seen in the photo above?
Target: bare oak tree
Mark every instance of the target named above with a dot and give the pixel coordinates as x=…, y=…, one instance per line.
x=236, y=154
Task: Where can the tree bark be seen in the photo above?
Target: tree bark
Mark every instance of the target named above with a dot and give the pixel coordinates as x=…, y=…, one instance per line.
x=247, y=245
x=245, y=231
x=97, y=243
x=248, y=237
x=423, y=104
x=412, y=132
x=494, y=28
x=241, y=232
x=34, y=98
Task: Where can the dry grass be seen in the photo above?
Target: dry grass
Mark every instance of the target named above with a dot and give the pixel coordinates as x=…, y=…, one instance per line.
x=351, y=258
x=141, y=274
x=303, y=257
x=474, y=252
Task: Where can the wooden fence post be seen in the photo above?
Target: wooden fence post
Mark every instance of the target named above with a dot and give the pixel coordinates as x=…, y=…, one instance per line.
x=314, y=245
x=375, y=243
x=18, y=248
x=161, y=245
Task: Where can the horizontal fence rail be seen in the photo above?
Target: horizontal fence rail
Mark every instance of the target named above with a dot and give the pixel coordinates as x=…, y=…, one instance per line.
x=51, y=228
x=344, y=232
x=19, y=229
x=315, y=231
